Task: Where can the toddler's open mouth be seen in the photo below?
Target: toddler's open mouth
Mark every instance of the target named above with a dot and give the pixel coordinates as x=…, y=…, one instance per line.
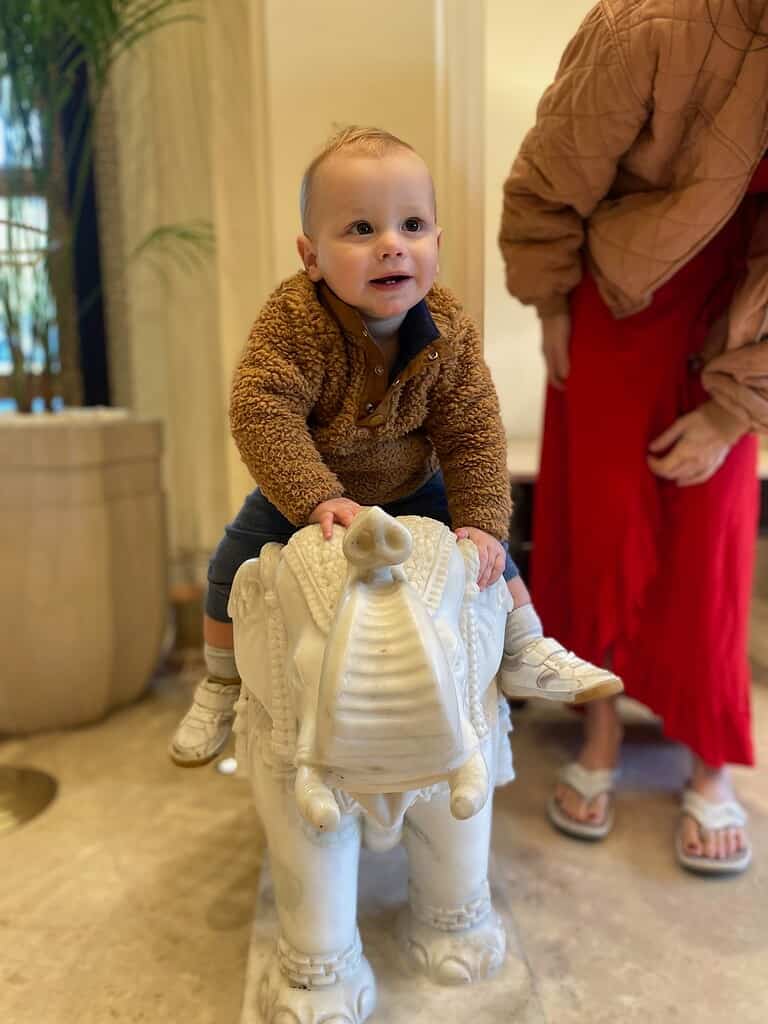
x=390, y=281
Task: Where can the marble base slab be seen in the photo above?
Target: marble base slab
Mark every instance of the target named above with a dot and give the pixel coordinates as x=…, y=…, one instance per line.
x=403, y=996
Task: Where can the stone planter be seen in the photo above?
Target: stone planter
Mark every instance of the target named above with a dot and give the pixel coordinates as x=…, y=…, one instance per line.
x=83, y=557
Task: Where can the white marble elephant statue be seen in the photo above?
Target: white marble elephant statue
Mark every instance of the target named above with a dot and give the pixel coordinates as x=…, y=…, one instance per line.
x=370, y=713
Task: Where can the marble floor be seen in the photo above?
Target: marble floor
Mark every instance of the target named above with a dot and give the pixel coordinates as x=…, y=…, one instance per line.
x=131, y=898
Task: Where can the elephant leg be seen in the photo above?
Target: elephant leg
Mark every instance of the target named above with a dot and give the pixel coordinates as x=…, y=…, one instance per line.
x=318, y=970
x=450, y=932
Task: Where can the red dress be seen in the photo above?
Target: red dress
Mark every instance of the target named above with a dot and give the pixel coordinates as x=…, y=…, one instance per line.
x=626, y=565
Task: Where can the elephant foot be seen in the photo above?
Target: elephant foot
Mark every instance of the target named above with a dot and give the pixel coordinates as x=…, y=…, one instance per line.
x=453, y=957
x=469, y=786
x=315, y=801
x=320, y=993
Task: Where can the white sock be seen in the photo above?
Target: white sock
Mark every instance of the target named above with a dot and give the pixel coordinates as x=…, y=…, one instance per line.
x=220, y=662
x=523, y=625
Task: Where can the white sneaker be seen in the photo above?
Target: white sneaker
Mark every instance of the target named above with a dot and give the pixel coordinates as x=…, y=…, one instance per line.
x=205, y=728
x=543, y=668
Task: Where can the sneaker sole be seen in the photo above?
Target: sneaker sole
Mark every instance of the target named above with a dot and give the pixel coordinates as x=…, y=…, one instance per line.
x=181, y=762
x=607, y=689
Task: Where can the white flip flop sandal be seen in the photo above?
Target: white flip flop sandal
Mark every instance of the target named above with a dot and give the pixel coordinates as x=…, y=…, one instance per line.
x=588, y=784
x=712, y=817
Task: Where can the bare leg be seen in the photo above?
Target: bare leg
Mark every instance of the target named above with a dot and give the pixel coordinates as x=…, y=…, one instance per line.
x=218, y=634
x=519, y=591
x=603, y=733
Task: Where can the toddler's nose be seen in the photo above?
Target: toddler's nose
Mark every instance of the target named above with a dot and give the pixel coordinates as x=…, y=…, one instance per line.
x=390, y=247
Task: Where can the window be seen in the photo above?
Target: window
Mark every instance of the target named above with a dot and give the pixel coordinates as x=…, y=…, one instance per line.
x=29, y=339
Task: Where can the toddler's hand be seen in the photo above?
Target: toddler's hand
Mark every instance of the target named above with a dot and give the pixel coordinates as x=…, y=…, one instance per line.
x=493, y=557
x=336, y=510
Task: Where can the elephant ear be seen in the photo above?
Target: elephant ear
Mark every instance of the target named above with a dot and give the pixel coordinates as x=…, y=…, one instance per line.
x=249, y=609
x=246, y=593
x=471, y=558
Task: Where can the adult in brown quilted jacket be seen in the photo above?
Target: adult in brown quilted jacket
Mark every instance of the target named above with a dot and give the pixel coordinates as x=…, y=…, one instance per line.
x=634, y=223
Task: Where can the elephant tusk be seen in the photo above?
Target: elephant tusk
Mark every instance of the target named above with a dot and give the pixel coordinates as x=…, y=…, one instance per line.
x=469, y=787
x=315, y=801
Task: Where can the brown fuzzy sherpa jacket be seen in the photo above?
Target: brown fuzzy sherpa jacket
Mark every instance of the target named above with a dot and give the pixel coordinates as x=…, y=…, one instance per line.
x=643, y=147
x=306, y=427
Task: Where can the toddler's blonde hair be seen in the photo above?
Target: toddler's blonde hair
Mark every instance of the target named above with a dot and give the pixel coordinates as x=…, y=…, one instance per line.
x=369, y=141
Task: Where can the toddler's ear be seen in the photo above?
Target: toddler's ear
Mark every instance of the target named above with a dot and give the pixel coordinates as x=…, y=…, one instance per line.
x=308, y=257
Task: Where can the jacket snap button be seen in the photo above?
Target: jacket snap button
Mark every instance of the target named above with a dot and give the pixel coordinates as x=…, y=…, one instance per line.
x=378, y=370
x=432, y=355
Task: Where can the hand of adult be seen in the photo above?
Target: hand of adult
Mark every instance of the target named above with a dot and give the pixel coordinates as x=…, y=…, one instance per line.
x=555, y=343
x=336, y=510
x=493, y=557
x=698, y=443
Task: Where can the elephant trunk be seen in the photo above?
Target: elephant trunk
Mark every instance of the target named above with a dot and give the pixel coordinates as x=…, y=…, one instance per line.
x=389, y=717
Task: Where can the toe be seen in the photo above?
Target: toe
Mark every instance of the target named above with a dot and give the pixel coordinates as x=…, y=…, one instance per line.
x=691, y=837
x=597, y=809
x=721, y=844
x=571, y=803
x=709, y=843
x=731, y=842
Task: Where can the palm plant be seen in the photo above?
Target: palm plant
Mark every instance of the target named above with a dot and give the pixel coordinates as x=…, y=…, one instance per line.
x=45, y=48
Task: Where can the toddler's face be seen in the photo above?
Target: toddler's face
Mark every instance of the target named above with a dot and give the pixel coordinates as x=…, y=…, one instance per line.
x=372, y=234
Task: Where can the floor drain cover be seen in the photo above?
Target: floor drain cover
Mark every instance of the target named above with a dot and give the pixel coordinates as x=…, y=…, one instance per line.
x=24, y=793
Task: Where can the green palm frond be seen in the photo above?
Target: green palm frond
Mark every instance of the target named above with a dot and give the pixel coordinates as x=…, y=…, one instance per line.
x=188, y=243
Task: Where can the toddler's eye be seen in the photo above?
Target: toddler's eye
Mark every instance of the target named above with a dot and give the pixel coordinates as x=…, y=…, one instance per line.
x=362, y=227
x=413, y=224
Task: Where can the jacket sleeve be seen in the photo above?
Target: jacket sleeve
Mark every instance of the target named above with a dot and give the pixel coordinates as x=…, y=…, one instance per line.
x=738, y=377
x=275, y=387
x=738, y=380
x=465, y=427
x=586, y=120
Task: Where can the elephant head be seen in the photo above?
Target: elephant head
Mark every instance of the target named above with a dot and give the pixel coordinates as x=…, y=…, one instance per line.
x=371, y=654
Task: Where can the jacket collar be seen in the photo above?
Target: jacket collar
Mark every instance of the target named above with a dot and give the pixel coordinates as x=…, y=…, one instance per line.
x=417, y=330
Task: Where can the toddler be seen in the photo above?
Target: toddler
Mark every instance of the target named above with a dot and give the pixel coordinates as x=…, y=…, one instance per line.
x=363, y=383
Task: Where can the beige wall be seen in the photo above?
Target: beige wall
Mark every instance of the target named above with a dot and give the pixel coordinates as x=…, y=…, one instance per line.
x=342, y=62
x=217, y=120
x=521, y=58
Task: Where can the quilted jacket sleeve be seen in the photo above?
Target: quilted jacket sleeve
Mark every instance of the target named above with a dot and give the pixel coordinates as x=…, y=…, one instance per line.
x=586, y=120
x=738, y=380
x=464, y=424
x=738, y=377
x=275, y=387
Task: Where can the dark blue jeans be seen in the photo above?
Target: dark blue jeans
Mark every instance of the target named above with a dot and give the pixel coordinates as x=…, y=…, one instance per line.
x=258, y=522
